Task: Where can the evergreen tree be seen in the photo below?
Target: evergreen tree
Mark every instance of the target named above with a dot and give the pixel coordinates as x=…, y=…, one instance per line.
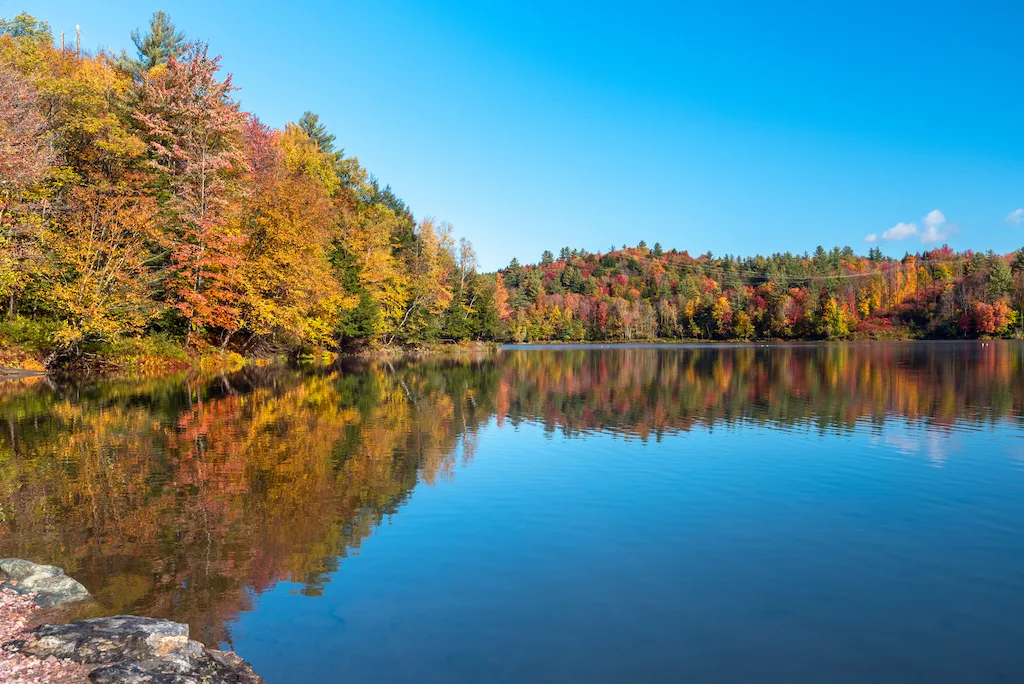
x=999, y=277
x=317, y=132
x=162, y=42
x=362, y=321
x=572, y=280
x=456, y=325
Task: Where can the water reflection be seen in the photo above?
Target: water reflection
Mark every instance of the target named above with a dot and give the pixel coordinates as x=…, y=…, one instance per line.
x=645, y=391
x=186, y=498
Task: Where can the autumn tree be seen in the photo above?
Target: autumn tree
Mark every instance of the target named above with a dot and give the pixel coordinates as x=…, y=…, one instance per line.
x=429, y=291
x=89, y=154
x=194, y=132
x=288, y=291
x=368, y=242
x=25, y=158
x=721, y=312
x=743, y=326
x=99, y=279
x=26, y=150
x=351, y=176
x=501, y=303
x=137, y=197
x=833, y=320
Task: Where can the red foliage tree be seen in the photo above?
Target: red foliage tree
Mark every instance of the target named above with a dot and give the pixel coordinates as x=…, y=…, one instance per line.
x=25, y=156
x=261, y=155
x=25, y=151
x=1000, y=314
x=195, y=131
x=984, y=318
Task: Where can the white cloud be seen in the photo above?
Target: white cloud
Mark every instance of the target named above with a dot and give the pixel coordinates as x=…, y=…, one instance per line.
x=934, y=219
x=935, y=228
x=873, y=237
x=900, y=231
x=1015, y=217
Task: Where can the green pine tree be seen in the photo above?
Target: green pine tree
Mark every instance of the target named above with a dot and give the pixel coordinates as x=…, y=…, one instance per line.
x=162, y=42
x=317, y=132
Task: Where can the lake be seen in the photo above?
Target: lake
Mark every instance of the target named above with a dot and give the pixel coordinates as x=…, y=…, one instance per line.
x=781, y=513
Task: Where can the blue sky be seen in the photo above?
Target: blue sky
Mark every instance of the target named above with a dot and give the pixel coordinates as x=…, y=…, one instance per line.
x=733, y=127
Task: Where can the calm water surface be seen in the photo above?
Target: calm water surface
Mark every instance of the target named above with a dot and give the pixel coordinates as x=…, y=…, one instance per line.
x=805, y=513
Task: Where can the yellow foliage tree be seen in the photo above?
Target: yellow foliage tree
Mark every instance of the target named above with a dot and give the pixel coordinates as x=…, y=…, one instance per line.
x=288, y=290
x=369, y=238
x=429, y=267
x=98, y=274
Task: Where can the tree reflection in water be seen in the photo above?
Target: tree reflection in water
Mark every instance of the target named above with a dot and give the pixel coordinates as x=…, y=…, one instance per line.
x=187, y=497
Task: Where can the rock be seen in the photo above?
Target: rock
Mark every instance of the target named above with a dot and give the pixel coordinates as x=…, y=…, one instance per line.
x=49, y=585
x=137, y=650
x=123, y=649
x=111, y=639
x=156, y=672
x=16, y=613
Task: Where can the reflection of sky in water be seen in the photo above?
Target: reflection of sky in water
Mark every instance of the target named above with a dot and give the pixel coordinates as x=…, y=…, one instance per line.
x=739, y=554
x=914, y=441
x=938, y=445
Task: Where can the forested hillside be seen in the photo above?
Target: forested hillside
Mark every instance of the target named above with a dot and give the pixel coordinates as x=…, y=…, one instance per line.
x=640, y=293
x=142, y=212
x=138, y=200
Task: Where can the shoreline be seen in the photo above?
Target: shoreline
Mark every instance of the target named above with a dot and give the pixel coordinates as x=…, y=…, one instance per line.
x=106, y=650
x=230, y=361
x=10, y=373
x=587, y=344
x=222, y=362
x=18, y=615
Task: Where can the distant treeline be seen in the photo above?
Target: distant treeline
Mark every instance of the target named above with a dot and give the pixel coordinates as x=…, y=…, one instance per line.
x=140, y=205
x=641, y=294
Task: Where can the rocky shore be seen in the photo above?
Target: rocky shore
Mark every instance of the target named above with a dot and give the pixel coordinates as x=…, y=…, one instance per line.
x=124, y=649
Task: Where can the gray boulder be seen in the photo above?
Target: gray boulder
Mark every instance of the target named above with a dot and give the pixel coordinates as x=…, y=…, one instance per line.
x=137, y=650
x=49, y=583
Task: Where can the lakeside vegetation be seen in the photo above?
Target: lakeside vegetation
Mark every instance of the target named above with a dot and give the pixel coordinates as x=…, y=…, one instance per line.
x=143, y=213
x=147, y=222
